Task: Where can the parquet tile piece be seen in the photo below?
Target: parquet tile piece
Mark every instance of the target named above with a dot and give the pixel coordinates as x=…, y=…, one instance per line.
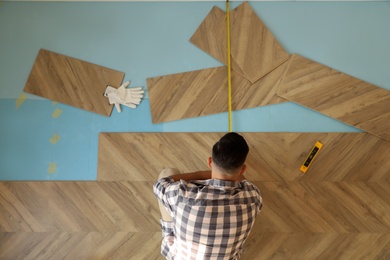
x=254, y=50
x=337, y=95
x=272, y=157
x=71, y=81
x=204, y=92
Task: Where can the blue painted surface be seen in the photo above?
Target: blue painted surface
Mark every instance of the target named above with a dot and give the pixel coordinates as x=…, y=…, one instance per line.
x=151, y=39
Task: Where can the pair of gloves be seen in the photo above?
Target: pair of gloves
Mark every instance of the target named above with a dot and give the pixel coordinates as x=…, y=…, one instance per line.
x=130, y=97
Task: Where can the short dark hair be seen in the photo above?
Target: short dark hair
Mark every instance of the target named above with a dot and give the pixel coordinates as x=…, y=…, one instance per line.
x=230, y=152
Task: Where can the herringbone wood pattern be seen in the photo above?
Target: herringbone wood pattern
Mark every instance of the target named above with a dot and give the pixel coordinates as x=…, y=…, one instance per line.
x=337, y=95
x=71, y=81
x=339, y=209
x=254, y=49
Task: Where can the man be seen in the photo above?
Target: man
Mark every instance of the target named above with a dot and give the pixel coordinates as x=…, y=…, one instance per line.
x=209, y=214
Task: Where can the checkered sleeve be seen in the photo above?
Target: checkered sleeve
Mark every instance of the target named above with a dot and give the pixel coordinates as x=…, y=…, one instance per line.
x=166, y=191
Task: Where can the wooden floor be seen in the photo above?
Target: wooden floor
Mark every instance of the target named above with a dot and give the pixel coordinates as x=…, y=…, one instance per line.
x=339, y=209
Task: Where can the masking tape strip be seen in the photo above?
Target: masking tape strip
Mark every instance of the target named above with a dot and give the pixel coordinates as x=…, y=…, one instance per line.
x=55, y=138
x=57, y=112
x=52, y=168
x=20, y=100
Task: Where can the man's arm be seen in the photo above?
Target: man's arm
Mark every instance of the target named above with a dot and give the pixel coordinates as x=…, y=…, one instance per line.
x=201, y=175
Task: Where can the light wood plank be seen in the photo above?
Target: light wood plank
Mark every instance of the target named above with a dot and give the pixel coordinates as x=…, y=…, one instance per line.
x=338, y=95
x=272, y=156
x=204, y=92
x=71, y=81
x=254, y=50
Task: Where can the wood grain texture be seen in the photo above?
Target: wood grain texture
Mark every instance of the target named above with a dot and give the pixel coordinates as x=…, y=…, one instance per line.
x=254, y=50
x=204, y=92
x=100, y=220
x=337, y=95
x=272, y=157
x=339, y=209
x=71, y=81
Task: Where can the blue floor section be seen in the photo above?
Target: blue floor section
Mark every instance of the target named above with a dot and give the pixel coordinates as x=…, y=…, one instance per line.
x=151, y=39
x=26, y=150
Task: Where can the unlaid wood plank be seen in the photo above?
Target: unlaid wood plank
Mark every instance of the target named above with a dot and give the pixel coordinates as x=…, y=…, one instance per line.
x=254, y=50
x=338, y=95
x=204, y=92
x=71, y=81
x=272, y=156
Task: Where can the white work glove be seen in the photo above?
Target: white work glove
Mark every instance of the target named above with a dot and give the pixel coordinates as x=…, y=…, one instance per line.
x=130, y=97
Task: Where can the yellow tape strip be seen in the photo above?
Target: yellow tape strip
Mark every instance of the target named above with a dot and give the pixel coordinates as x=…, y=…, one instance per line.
x=55, y=138
x=20, y=100
x=52, y=168
x=229, y=67
x=57, y=112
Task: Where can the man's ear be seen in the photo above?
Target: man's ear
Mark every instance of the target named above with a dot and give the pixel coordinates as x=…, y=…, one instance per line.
x=243, y=169
x=209, y=162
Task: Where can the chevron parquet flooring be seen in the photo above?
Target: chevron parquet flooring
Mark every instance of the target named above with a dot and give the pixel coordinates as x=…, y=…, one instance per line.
x=337, y=95
x=203, y=92
x=299, y=220
x=71, y=81
x=339, y=209
x=272, y=157
x=254, y=50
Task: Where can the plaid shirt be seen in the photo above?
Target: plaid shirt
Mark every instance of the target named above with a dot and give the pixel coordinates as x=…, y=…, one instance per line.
x=211, y=218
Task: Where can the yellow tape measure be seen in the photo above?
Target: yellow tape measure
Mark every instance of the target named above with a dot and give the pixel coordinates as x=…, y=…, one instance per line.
x=309, y=160
x=229, y=67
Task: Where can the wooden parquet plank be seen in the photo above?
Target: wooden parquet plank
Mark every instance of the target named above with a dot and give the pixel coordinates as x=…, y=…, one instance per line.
x=337, y=95
x=204, y=92
x=71, y=81
x=272, y=157
x=254, y=50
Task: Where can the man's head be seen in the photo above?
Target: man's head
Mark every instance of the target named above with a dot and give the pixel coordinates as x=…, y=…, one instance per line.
x=229, y=153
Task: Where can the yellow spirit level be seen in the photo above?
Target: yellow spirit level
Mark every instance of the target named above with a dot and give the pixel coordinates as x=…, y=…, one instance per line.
x=311, y=156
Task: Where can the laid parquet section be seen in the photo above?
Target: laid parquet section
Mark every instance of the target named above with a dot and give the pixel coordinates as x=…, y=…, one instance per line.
x=100, y=220
x=254, y=49
x=80, y=245
x=203, y=92
x=339, y=209
x=71, y=81
x=337, y=95
x=273, y=156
